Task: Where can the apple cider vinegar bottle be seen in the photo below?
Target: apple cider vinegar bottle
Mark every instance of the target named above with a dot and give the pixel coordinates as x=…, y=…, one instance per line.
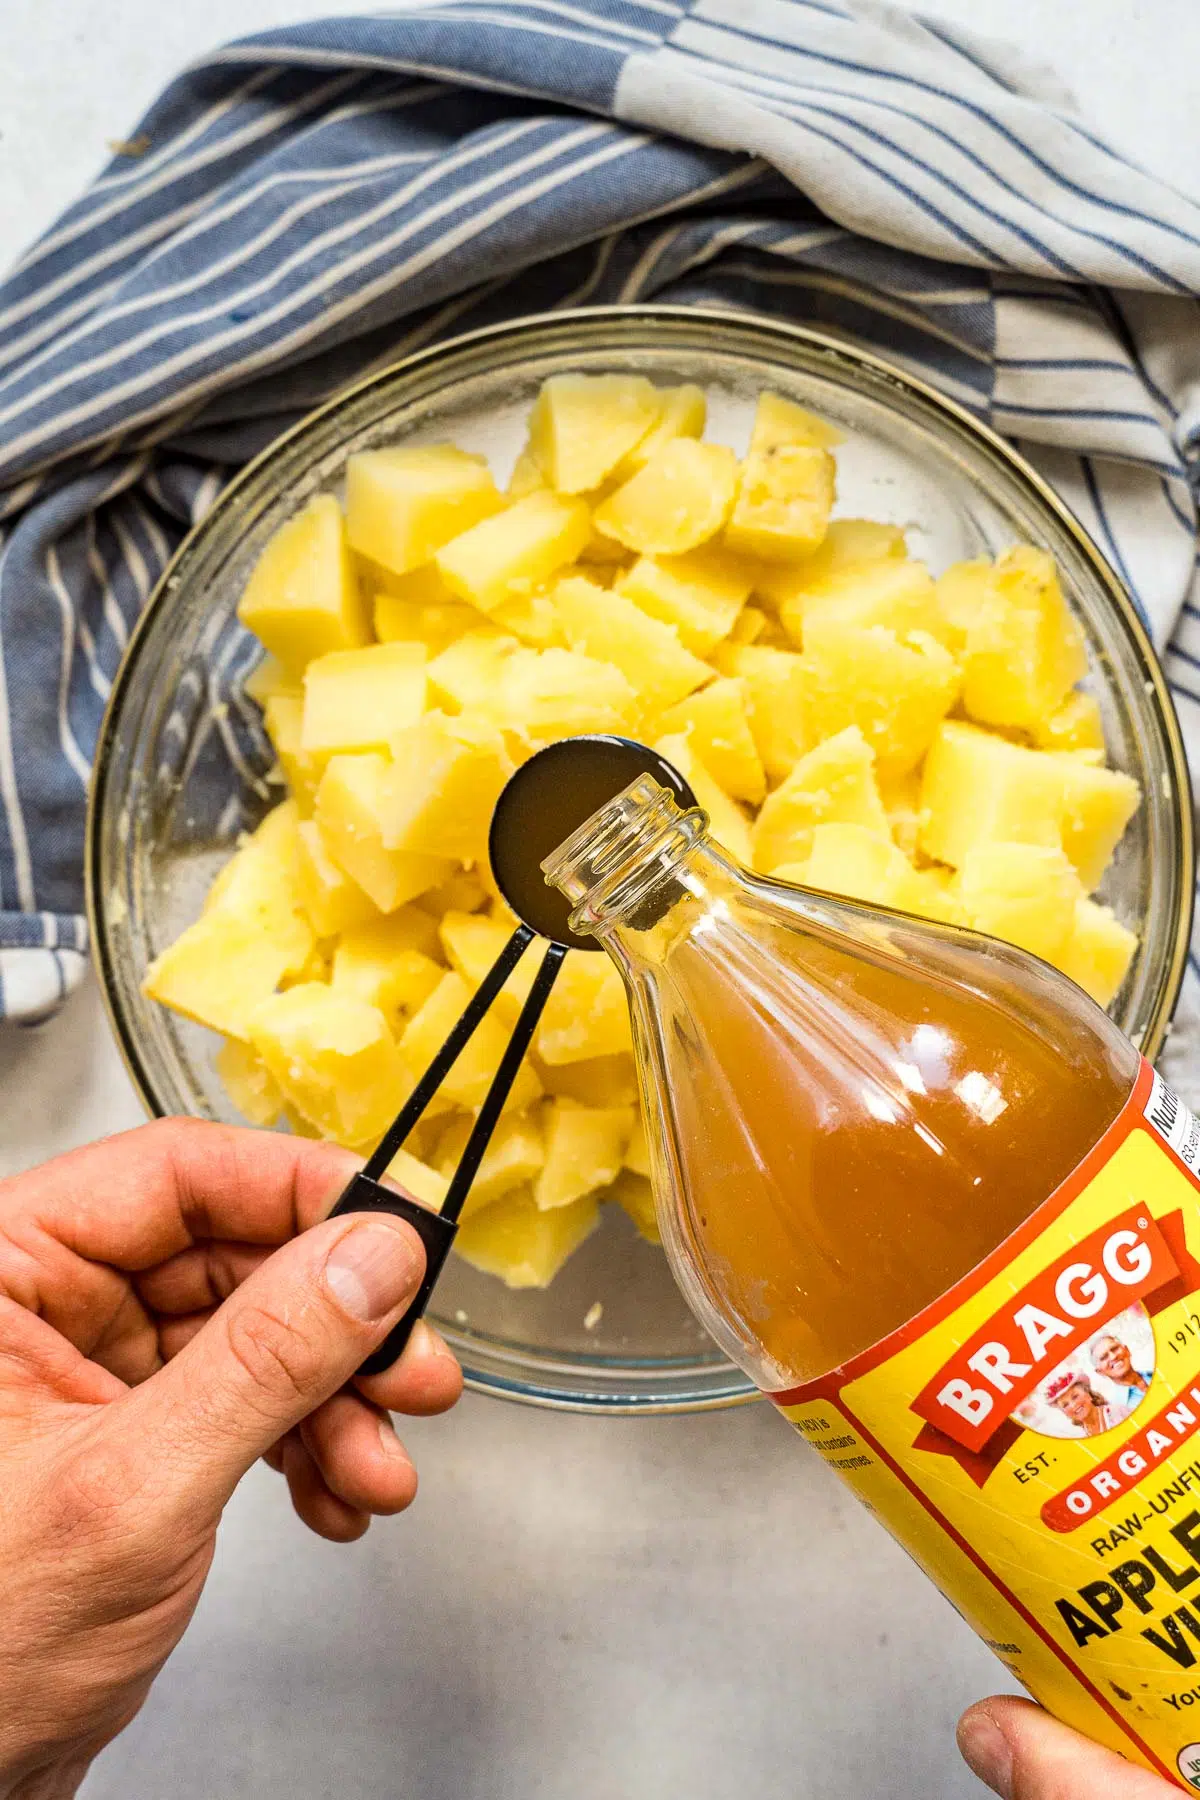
x=926, y=1194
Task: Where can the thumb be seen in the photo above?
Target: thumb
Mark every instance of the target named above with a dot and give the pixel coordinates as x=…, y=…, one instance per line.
x=1024, y=1754
x=290, y=1336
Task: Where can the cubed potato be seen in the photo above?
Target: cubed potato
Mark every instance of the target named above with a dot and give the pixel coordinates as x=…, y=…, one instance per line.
x=752, y=624
x=897, y=690
x=847, y=543
x=464, y=891
x=593, y=1081
x=859, y=863
x=679, y=499
x=1076, y=725
x=471, y=1076
x=513, y=1158
x=1025, y=653
x=609, y=627
x=833, y=783
x=317, y=966
x=528, y=476
x=271, y=678
x=977, y=788
x=897, y=595
x=472, y=942
x=403, y=504
x=331, y=901
x=582, y=425
x=1098, y=951
x=717, y=724
x=333, y=1059
x=356, y=699
x=252, y=934
x=249, y=1083
x=683, y=412
x=728, y=823
x=534, y=620
x=418, y=1180
x=637, y=1150
x=303, y=598
x=513, y=554
x=354, y=803
x=937, y=895
x=700, y=594
x=1023, y=893
x=778, y=685
x=382, y=964
x=784, y=499
x=431, y=621
x=445, y=779
x=781, y=421
x=283, y=717
x=901, y=796
x=520, y=1243
x=542, y=695
x=464, y=675
x=634, y=1195
x=587, y=1014
x=965, y=595
x=584, y=1150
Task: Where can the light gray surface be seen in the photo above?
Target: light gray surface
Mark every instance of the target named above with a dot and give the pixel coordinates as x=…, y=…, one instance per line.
x=575, y=1609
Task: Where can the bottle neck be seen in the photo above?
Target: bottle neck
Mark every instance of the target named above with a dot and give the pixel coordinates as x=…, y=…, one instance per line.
x=629, y=864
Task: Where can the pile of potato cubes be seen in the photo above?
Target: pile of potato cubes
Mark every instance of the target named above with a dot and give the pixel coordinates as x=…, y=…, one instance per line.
x=848, y=722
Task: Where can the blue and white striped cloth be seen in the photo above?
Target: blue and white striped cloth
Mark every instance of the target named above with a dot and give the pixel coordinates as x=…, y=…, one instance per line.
x=316, y=201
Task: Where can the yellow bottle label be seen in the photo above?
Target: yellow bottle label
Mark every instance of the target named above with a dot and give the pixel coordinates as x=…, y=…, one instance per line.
x=1033, y=1440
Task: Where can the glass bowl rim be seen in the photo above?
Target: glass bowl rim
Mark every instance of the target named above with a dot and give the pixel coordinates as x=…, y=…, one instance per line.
x=839, y=354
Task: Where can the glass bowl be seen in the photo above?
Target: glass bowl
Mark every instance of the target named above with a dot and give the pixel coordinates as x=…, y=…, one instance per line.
x=182, y=757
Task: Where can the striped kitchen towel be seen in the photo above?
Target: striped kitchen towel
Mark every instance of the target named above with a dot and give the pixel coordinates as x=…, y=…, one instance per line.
x=313, y=202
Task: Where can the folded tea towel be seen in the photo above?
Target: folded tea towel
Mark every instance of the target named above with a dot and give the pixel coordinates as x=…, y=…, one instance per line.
x=316, y=201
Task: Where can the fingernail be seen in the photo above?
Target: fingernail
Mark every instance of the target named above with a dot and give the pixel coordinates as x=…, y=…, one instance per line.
x=391, y=1443
x=373, y=1269
x=987, y=1752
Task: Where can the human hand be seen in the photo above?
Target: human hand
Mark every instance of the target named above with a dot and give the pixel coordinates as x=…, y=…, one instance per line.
x=1024, y=1754
x=154, y=1342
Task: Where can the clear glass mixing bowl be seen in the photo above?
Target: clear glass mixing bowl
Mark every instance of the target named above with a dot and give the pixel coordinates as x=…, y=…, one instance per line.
x=182, y=756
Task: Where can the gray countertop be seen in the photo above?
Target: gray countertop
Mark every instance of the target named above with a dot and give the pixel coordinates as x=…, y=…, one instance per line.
x=575, y=1609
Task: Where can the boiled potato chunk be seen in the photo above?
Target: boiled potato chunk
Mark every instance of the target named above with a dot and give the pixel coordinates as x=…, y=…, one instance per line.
x=522, y=1244
x=635, y=1196
x=303, y=598
x=729, y=824
x=1098, y=951
x=593, y=1081
x=471, y=1076
x=609, y=627
x=543, y=695
x=533, y=620
x=784, y=499
x=332, y=902
x=511, y=555
x=966, y=595
x=1025, y=653
x=434, y=618
x=859, y=863
x=354, y=807
x=897, y=690
x=418, y=1180
x=403, y=504
x=356, y=699
x=445, y=778
x=679, y=499
x=980, y=789
x=527, y=476
x=897, y=595
x=700, y=594
x=473, y=941
x=1076, y=725
x=901, y=796
x=637, y=1150
x=584, y=1149
x=587, y=1014
x=465, y=674
x=271, y=678
x=582, y=425
x=513, y=1158
x=1023, y=893
x=683, y=412
x=833, y=783
x=249, y=1083
x=283, y=717
x=780, y=421
x=251, y=935
x=778, y=685
x=388, y=963
x=717, y=724
x=333, y=1059
x=847, y=542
